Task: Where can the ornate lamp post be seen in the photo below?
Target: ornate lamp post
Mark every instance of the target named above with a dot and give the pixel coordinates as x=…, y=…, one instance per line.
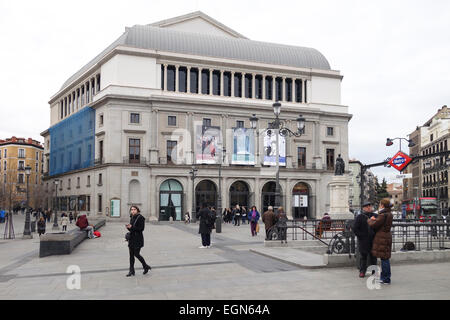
x=219, y=198
x=390, y=142
x=27, y=230
x=55, y=222
x=278, y=128
x=193, y=173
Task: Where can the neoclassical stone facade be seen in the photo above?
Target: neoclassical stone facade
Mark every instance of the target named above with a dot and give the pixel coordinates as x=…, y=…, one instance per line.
x=170, y=96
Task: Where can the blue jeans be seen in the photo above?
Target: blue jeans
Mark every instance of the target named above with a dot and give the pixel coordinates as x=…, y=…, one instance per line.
x=385, y=271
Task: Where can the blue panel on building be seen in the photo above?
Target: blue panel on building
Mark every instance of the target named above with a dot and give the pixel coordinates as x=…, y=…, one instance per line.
x=72, y=142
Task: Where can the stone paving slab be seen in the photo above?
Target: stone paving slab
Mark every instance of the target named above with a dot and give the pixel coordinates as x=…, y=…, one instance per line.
x=292, y=256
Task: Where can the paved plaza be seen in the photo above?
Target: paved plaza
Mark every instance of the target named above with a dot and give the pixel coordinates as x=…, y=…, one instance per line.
x=231, y=269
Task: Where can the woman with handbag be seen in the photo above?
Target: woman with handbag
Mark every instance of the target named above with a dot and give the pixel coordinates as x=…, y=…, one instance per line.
x=135, y=239
x=253, y=216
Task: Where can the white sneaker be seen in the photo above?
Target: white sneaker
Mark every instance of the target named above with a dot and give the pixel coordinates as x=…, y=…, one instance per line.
x=208, y=246
x=202, y=247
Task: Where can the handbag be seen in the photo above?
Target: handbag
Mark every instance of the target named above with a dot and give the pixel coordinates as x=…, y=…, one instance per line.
x=128, y=234
x=257, y=227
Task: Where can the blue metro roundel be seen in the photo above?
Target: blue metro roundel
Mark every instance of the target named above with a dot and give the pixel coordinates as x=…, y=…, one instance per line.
x=400, y=161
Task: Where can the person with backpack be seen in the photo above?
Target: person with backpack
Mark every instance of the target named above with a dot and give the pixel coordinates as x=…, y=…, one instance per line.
x=206, y=225
x=253, y=217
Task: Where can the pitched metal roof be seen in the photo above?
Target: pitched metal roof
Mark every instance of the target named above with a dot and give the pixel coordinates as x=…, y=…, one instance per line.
x=161, y=39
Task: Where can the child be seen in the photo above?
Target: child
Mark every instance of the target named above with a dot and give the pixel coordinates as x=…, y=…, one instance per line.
x=64, y=222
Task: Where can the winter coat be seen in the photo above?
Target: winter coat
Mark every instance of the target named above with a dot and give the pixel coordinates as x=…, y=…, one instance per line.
x=363, y=232
x=250, y=216
x=203, y=216
x=282, y=219
x=82, y=222
x=41, y=226
x=64, y=221
x=137, y=226
x=382, y=243
x=269, y=219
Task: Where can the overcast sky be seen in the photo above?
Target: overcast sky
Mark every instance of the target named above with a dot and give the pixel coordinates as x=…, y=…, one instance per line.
x=394, y=55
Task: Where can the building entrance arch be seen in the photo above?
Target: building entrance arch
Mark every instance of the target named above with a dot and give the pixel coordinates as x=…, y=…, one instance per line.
x=300, y=201
x=268, y=196
x=170, y=200
x=240, y=194
x=205, y=192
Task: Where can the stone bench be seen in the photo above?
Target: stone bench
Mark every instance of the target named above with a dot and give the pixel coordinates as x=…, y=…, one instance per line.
x=65, y=242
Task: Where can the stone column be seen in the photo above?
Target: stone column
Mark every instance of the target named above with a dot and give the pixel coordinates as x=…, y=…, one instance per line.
x=316, y=143
x=253, y=85
x=274, y=84
x=210, y=82
x=188, y=80
x=177, y=78
x=288, y=197
x=283, y=91
x=190, y=133
x=221, y=83
x=288, y=147
x=263, y=87
x=232, y=83
x=199, y=82
x=243, y=85
x=165, y=77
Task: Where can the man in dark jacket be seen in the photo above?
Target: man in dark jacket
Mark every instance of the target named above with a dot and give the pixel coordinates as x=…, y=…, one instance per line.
x=205, y=226
x=365, y=236
x=269, y=219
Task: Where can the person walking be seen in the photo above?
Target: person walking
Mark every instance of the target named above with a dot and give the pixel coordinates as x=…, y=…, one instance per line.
x=282, y=224
x=64, y=222
x=244, y=214
x=364, y=235
x=269, y=219
x=41, y=226
x=253, y=217
x=237, y=215
x=382, y=242
x=136, y=239
x=70, y=217
x=205, y=216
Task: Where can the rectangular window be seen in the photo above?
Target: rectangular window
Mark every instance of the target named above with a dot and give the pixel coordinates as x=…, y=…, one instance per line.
x=134, y=118
x=68, y=184
x=99, y=203
x=88, y=181
x=305, y=99
x=288, y=91
x=278, y=89
x=87, y=92
x=238, y=85
x=21, y=178
x=301, y=156
x=298, y=90
x=170, y=78
x=78, y=182
x=21, y=153
x=269, y=88
x=330, y=159
x=101, y=120
x=172, y=121
x=98, y=83
x=70, y=103
x=171, y=152
x=258, y=87
x=248, y=85
x=82, y=95
x=61, y=106
x=65, y=107
x=100, y=179
x=6, y=153
x=182, y=79
x=216, y=82
x=194, y=80
x=37, y=156
x=206, y=122
x=330, y=131
x=93, y=86
x=134, y=150
x=21, y=165
x=4, y=165
x=205, y=81
x=239, y=124
x=78, y=98
x=100, y=150
x=227, y=84
x=431, y=137
x=37, y=167
x=162, y=77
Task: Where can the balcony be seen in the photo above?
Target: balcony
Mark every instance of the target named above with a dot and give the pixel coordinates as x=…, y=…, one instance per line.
x=140, y=161
x=99, y=161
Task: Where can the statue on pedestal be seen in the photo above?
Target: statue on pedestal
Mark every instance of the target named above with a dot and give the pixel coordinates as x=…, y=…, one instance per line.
x=340, y=166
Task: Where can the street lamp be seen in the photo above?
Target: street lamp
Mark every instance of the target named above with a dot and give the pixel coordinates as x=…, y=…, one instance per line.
x=390, y=142
x=219, y=198
x=27, y=230
x=193, y=173
x=277, y=124
x=55, y=222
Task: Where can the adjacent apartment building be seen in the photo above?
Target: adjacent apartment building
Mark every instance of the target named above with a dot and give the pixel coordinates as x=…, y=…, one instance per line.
x=129, y=126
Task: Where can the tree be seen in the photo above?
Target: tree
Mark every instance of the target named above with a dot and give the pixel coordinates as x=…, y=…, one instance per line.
x=382, y=190
x=10, y=194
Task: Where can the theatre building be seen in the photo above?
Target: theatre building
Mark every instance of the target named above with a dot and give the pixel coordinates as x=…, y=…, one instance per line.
x=129, y=126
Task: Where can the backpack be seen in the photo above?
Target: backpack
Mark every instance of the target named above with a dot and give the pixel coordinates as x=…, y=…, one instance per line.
x=409, y=246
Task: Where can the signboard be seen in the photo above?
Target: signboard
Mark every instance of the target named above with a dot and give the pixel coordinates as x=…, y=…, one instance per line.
x=403, y=176
x=270, y=147
x=208, y=140
x=243, y=146
x=300, y=201
x=400, y=161
x=115, y=208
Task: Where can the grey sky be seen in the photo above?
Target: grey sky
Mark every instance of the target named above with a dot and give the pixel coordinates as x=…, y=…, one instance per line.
x=394, y=55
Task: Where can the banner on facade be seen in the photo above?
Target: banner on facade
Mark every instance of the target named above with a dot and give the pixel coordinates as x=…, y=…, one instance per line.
x=270, y=148
x=208, y=140
x=243, y=146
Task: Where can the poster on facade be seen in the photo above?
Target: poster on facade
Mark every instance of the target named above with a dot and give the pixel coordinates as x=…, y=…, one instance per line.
x=243, y=146
x=208, y=140
x=270, y=146
x=115, y=208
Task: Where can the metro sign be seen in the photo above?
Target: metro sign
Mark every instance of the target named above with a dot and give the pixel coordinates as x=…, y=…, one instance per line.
x=400, y=161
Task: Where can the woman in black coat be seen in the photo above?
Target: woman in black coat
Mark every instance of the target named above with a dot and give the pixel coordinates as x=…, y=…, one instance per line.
x=204, y=227
x=136, y=240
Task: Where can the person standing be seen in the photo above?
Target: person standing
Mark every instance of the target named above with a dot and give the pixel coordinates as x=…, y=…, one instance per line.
x=64, y=222
x=136, y=239
x=253, y=217
x=70, y=217
x=382, y=242
x=282, y=224
x=237, y=215
x=269, y=220
x=204, y=227
x=41, y=226
x=244, y=214
x=364, y=235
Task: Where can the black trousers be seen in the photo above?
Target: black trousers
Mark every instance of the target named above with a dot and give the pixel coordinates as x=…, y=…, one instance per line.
x=135, y=252
x=363, y=261
x=206, y=239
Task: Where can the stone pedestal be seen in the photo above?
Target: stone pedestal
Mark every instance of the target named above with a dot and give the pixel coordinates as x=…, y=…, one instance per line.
x=339, y=195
